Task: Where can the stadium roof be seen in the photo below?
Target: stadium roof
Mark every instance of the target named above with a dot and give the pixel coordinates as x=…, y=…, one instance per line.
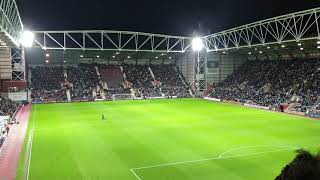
x=172, y=17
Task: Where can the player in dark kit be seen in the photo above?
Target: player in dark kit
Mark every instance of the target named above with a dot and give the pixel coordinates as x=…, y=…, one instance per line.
x=103, y=118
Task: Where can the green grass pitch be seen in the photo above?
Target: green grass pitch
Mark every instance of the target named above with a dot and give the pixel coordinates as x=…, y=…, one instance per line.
x=179, y=139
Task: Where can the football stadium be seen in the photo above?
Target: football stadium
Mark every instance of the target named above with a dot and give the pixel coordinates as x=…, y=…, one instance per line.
x=238, y=104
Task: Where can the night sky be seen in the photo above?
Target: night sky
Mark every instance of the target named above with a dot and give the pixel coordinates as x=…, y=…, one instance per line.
x=163, y=16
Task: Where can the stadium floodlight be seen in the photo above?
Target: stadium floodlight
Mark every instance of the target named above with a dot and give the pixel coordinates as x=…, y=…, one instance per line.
x=81, y=56
x=170, y=57
x=299, y=44
x=197, y=44
x=318, y=47
x=47, y=55
x=64, y=61
x=283, y=46
x=318, y=42
x=260, y=52
x=249, y=53
x=98, y=56
x=301, y=48
x=47, y=61
x=27, y=39
x=129, y=57
x=156, y=57
x=113, y=57
x=268, y=47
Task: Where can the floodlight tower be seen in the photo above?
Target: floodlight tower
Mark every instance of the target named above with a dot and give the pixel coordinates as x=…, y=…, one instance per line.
x=200, y=66
x=18, y=56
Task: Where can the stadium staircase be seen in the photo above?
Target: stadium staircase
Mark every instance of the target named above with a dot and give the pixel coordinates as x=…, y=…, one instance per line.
x=103, y=95
x=150, y=70
x=177, y=70
x=65, y=74
x=68, y=95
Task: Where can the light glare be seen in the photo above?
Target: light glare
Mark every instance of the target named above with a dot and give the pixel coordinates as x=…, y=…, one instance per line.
x=27, y=39
x=197, y=44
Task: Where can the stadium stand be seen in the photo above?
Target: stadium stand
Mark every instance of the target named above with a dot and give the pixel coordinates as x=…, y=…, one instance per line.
x=275, y=82
x=86, y=81
x=47, y=84
x=7, y=107
x=141, y=79
x=112, y=75
x=170, y=81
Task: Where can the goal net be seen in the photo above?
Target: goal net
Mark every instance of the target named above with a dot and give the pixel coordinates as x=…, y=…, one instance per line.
x=116, y=97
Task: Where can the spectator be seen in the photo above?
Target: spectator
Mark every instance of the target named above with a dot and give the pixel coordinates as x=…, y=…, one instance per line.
x=305, y=166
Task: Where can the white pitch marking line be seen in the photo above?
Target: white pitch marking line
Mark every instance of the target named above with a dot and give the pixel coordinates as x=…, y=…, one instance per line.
x=31, y=139
x=135, y=174
x=257, y=146
x=217, y=158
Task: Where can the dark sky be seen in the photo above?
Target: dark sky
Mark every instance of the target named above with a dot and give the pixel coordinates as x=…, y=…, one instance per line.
x=161, y=16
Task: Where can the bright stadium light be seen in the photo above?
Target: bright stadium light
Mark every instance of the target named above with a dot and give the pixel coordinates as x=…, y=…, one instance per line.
x=197, y=44
x=27, y=39
x=81, y=56
x=47, y=55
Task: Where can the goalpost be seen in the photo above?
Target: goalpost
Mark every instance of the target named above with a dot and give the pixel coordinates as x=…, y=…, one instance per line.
x=116, y=97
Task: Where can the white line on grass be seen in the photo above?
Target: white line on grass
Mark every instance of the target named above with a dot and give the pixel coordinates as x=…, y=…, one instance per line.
x=31, y=140
x=257, y=146
x=220, y=157
x=135, y=174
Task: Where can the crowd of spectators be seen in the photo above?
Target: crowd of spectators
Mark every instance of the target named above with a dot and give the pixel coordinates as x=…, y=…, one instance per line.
x=274, y=82
x=170, y=82
x=7, y=106
x=141, y=79
x=57, y=95
x=111, y=91
x=53, y=84
x=47, y=84
x=84, y=79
